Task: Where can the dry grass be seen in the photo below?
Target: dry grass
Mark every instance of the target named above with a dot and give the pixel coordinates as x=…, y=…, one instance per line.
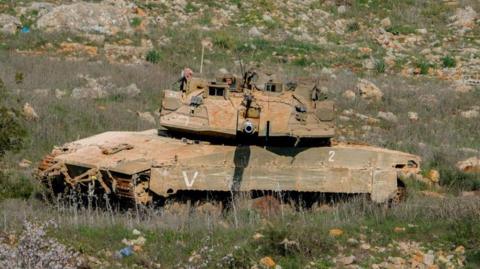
x=175, y=235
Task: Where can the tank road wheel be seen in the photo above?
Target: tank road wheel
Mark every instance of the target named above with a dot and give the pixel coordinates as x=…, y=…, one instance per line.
x=400, y=194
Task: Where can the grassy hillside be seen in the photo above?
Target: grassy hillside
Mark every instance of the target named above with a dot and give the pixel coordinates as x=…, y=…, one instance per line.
x=423, y=55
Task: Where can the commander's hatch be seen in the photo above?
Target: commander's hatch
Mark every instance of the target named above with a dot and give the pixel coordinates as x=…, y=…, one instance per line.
x=273, y=87
x=217, y=90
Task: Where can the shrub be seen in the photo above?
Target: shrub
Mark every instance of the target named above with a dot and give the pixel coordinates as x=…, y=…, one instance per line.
x=380, y=66
x=189, y=8
x=424, y=66
x=12, y=131
x=223, y=40
x=153, y=56
x=135, y=22
x=449, y=62
x=15, y=187
x=400, y=29
x=18, y=77
x=353, y=27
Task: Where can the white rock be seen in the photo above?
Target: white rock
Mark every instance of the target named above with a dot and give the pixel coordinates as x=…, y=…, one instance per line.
x=349, y=95
x=347, y=260
x=469, y=165
x=470, y=114
x=94, y=88
x=422, y=31
x=341, y=9
x=365, y=246
x=340, y=26
x=368, y=64
x=464, y=18
x=387, y=116
x=29, y=112
x=368, y=90
x=343, y=118
x=223, y=70
x=146, y=116
x=254, y=32
x=429, y=258
x=41, y=92
x=386, y=22
x=267, y=18
x=413, y=116
x=130, y=91
x=366, y=128
x=9, y=24
x=24, y=163
x=82, y=17
x=59, y=94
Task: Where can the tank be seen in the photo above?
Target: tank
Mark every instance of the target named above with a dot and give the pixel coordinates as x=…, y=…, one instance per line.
x=258, y=109
x=251, y=135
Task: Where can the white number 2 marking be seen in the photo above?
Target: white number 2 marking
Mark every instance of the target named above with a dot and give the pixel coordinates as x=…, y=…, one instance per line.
x=331, y=154
x=189, y=182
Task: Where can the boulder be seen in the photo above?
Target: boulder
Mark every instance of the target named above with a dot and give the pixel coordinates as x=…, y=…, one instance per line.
x=41, y=92
x=369, y=91
x=94, y=88
x=254, y=32
x=412, y=116
x=434, y=176
x=464, y=18
x=346, y=260
x=387, y=116
x=128, y=53
x=129, y=91
x=268, y=262
x=29, y=112
x=335, y=232
x=59, y=94
x=24, y=163
x=146, y=116
x=470, y=165
x=9, y=24
x=349, y=95
x=470, y=114
x=82, y=17
x=386, y=22
x=41, y=8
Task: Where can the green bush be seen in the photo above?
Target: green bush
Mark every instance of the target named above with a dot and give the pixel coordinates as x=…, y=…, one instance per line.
x=458, y=180
x=353, y=27
x=400, y=29
x=380, y=66
x=448, y=62
x=153, y=56
x=15, y=187
x=135, y=22
x=190, y=8
x=12, y=131
x=424, y=66
x=223, y=39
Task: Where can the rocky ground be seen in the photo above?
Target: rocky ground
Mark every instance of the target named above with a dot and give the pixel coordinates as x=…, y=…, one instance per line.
x=404, y=74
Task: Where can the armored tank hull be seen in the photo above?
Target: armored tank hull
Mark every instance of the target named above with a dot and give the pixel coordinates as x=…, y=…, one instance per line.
x=143, y=167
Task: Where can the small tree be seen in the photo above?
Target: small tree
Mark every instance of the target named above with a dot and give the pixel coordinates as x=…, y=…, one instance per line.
x=12, y=131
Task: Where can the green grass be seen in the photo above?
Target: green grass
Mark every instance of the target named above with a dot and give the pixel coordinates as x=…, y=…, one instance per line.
x=448, y=62
x=220, y=241
x=154, y=56
x=135, y=22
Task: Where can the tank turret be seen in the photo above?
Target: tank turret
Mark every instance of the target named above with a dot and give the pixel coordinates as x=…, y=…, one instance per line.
x=257, y=108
